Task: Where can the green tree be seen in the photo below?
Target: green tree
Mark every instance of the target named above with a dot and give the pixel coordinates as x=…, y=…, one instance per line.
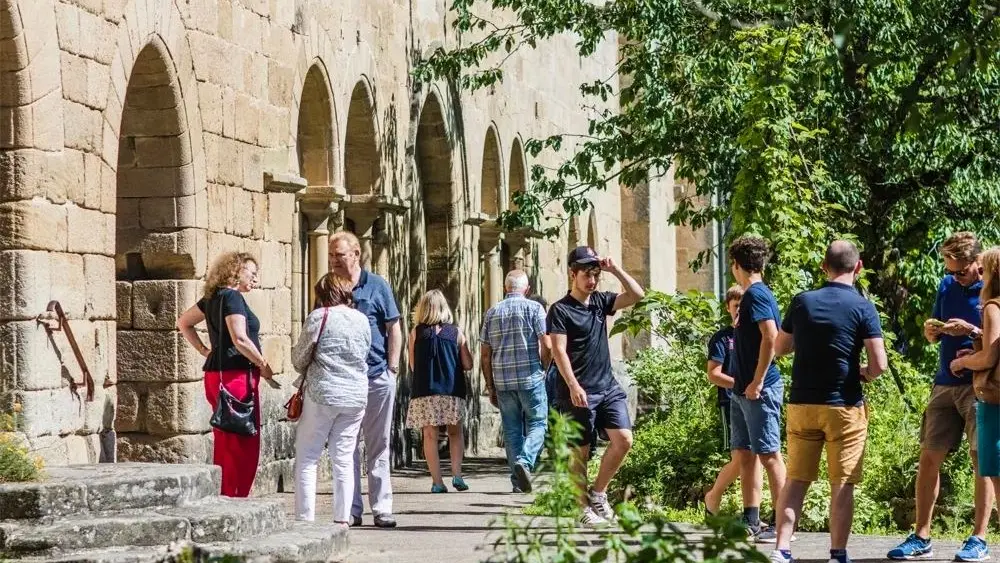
x=802, y=120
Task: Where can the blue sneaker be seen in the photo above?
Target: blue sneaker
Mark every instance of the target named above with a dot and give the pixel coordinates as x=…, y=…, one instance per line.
x=911, y=548
x=459, y=484
x=435, y=488
x=974, y=550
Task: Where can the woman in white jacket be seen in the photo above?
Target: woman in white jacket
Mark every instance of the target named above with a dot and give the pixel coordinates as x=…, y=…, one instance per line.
x=335, y=377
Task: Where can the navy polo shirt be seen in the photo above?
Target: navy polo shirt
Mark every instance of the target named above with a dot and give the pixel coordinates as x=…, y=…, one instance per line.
x=955, y=301
x=758, y=304
x=373, y=297
x=830, y=326
x=720, y=349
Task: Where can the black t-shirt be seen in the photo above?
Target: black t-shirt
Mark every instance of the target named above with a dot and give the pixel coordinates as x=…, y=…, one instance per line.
x=586, y=330
x=830, y=326
x=720, y=349
x=227, y=302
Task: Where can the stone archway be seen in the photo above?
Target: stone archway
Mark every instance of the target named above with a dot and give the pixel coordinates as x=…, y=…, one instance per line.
x=160, y=400
x=491, y=198
x=363, y=181
x=314, y=145
x=521, y=253
x=441, y=227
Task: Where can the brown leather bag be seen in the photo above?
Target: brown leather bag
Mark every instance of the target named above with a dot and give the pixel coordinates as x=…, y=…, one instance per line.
x=986, y=383
x=293, y=408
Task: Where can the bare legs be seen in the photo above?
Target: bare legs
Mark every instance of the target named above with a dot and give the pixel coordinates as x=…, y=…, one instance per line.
x=620, y=444
x=456, y=444
x=727, y=476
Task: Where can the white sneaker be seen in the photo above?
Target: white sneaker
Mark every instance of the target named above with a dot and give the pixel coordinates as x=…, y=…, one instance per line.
x=599, y=503
x=591, y=519
x=777, y=557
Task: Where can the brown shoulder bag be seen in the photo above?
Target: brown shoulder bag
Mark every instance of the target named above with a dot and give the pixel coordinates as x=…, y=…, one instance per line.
x=293, y=408
x=986, y=383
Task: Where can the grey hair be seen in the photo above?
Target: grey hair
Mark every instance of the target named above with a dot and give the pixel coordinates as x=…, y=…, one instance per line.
x=516, y=280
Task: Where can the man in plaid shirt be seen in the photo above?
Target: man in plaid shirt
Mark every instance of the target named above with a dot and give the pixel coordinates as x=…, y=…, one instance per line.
x=514, y=347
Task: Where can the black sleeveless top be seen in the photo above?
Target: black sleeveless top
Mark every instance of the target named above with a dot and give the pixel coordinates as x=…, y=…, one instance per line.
x=437, y=368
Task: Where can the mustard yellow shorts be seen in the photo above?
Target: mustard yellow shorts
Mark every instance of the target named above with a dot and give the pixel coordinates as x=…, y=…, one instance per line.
x=843, y=430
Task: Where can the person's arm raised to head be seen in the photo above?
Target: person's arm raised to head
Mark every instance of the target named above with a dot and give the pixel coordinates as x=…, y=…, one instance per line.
x=632, y=291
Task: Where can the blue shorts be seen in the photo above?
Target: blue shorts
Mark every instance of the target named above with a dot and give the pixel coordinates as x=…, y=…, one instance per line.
x=988, y=438
x=756, y=425
x=606, y=410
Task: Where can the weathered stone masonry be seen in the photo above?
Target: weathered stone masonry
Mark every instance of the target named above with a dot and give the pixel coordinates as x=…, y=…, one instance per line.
x=141, y=138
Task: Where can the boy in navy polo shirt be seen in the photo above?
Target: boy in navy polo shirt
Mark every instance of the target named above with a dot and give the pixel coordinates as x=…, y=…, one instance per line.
x=951, y=410
x=827, y=328
x=720, y=357
x=587, y=390
x=758, y=391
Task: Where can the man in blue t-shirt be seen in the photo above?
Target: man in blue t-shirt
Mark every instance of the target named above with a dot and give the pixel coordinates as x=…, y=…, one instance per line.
x=954, y=324
x=373, y=297
x=827, y=328
x=720, y=358
x=758, y=391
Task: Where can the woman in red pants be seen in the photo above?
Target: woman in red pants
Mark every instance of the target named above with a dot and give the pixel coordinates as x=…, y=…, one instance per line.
x=234, y=361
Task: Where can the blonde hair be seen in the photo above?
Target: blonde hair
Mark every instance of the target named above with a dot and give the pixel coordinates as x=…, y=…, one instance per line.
x=734, y=293
x=962, y=246
x=990, y=262
x=433, y=309
x=225, y=271
x=346, y=236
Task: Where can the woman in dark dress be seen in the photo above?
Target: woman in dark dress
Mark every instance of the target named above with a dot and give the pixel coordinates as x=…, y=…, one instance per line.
x=234, y=360
x=439, y=356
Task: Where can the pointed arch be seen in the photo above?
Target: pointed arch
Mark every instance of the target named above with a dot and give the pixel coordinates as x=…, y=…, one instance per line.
x=362, y=168
x=517, y=172
x=315, y=131
x=491, y=189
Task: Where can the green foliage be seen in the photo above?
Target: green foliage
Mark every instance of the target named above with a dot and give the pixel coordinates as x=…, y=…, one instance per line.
x=799, y=121
x=650, y=540
x=16, y=462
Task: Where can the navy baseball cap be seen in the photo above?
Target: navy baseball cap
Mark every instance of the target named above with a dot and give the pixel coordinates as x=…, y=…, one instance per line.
x=582, y=255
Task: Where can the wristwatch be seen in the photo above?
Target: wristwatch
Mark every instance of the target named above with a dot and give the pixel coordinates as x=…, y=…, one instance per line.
x=976, y=334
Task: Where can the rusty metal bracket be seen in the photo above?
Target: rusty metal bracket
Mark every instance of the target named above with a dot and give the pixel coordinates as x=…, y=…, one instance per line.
x=54, y=319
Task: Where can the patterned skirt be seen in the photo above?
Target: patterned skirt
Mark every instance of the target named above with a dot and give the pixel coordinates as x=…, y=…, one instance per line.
x=435, y=410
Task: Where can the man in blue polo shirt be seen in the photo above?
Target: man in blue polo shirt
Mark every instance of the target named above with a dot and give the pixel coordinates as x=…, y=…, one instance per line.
x=758, y=391
x=827, y=328
x=373, y=297
x=951, y=410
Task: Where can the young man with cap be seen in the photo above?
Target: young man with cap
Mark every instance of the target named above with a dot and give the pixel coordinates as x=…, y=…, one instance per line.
x=587, y=390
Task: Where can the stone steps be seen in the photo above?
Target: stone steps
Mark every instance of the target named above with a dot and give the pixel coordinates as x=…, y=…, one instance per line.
x=121, y=513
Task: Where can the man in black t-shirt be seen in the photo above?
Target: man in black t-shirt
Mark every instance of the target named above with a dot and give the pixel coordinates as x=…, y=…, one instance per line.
x=587, y=390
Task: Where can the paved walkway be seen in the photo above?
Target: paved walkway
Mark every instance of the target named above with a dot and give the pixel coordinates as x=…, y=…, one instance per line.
x=456, y=527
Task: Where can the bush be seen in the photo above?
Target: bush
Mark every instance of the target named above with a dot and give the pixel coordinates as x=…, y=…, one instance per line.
x=16, y=462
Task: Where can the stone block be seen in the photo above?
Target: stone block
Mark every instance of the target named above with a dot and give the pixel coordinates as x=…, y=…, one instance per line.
x=81, y=127
x=25, y=281
x=156, y=304
x=96, y=534
x=229, y=113
x=275, y=349
x=99, y=414
x=29, y=173
x=272, y=265
x=277, y=440
x=165, y=213
x=90, y=231
x=123, y=300
x=243, y=216
x=28, y=357
x=92, y=190
x=230, y=162
x=253, y=176
x=162, y=151
x=175, y=255
x=156, y=182
x=66, y=274
x=99, y=272
x=33, y=225
x=177, y=408
x=19, y=132
x=259, y=215
x=249, y=120
x=73, y=70
x=260, y=303
x=68, y=27
x=187, y=448
x=161, y=356
x=281, y=310
x=210, y=101
x=281, y=83
x=51, y=412
x=267, y=135
x=130, y=415
x=98, y=81
x=281, y=217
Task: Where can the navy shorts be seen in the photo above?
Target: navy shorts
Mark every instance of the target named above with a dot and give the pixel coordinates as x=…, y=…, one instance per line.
x=606, y=410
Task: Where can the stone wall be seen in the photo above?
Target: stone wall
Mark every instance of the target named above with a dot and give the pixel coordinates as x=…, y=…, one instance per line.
x=139, y=139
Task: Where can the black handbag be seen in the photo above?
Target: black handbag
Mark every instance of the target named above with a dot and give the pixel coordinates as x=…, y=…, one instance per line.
x=236, y=416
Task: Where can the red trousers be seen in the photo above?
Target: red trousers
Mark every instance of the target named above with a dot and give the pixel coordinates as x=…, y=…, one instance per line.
x=237, y=455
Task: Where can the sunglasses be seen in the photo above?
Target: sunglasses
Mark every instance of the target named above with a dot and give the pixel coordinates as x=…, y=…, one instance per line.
x=961, y=273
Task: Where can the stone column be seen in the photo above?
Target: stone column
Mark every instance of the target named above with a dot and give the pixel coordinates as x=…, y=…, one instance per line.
x=370, y=214
x=520, y=242
x=490, y=237
x=321, y=207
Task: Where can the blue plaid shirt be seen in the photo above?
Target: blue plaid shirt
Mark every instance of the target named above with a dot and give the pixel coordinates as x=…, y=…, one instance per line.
x=512, y=329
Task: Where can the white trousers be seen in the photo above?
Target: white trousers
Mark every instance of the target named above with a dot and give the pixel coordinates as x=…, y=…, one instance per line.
x=318, y=426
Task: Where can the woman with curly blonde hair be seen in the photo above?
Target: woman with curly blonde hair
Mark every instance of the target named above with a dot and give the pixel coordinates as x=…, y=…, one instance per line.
x=233, y=362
